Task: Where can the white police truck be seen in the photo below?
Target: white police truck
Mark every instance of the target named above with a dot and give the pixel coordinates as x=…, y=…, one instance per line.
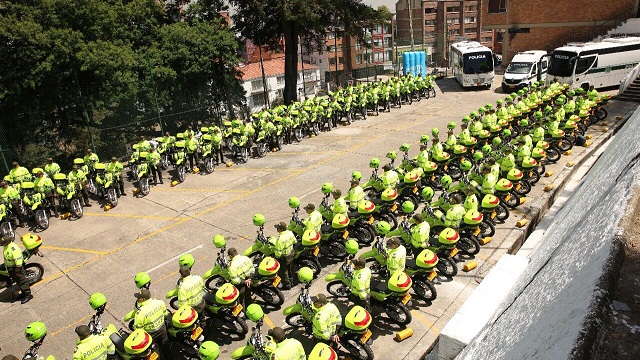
x=472, y=63
x=524, y=69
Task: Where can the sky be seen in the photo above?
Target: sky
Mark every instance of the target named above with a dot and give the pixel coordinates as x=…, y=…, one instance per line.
x=391, y=4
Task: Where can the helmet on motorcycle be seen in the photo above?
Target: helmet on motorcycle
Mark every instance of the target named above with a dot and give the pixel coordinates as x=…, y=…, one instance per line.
x=481, y=110
x=435, y=132
x=571, y=93
x=254, y=312
x=184, y=317
x=538, y=115
x=465, y=164
x=259, y=220
x=382, y=227
x=408, y=207
x=142, y=280
x=35, y=331
x=322, y=351
x=78, y=161
x=305, y=275
x=219, y=241
x=506, y=133
x=477, y=156
x=499, y=102
x=466, y=119
x=356, y=175
x=488, y=106
x=520, y=92
x=374, y=163
x=327, y=188
x=209, y=350
x=474, y=114
x=294, y=202
x=424, y=139
x=187, y=260
x=97, y=300
x=392, y=155
x=446, y=181
x=427, y=193
x=451, y=125
x=486, y=149
x=137, y=342
x=496, y=142
x=352, y=246
x=405, y=147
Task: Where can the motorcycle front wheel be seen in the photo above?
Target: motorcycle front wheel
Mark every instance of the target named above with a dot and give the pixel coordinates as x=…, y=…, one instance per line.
x=398, y=313
x=297, y=134
x=33, y=272
x=357, y=349
x=338, y=288
x=270, y=295
x=112, y=197
x=316, y=129
x=209, y=165
x=181, y=173
x=468, y=245
x=76, y=208
x=144, y=186
x=244, y=154
x=42, y=219
x=262, y=149
x=91, y=186
x=295, y=320
x=7, y=231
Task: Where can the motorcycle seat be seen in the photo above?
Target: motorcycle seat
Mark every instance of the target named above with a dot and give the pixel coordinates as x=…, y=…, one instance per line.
x=379, y=286
x=209, y=298
x=411, y=263
x=3, y=267
x=325, y=228
x=353, y=214
x=118, y=341
x=377, y=201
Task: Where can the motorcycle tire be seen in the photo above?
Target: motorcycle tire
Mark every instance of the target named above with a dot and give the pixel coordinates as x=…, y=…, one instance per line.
x=364, y=114
x=553, y=155
x=237, y=324
x=174, y=303
x=398, y=312
x=33, y=272
x=601, y=114
x=296, y=320
x=144, y=186
x=7, y=231
x=357, y=349
x=513, y=202
x=541, y=168
x=502, y=212
x=433, y=92
x=91, y=186
x=565, y=145
x=424, y=289
x=468, y=245
x=76, y=208
x=244, y=155
x=447, y=267
x=338, y=288
x=363, y=234
x=534, y=178
x=454, y=171
x=164, y=162
x=112, y=197
x=262, y=149
x=315, y=129
x=214, y=282
x=297, y=134
x=182, y=173
x=336, y=249
x=270, y=295
x=42, y=219
x=487, y=228
x=313, y=264
x=134, y=171
x=280, y=140
x=390, y=218
x=209, y=165
x=525, y=188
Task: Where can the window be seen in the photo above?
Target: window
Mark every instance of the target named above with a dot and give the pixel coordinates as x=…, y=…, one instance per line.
x=378, y=57
x=429, y=22
x=358, y=58
x=544, y=65
x=377, y=43
x=358, y=45
x=534, y=71
x=388, y=42
x=258, y=100
x=378, y=29
x=470, y=30
x=453, y=8
x=256, y=84
x=332, y=61
x=497, y=6
x=454, y=32
x=280, y=80
x=584, y=63
x=469, y=19
x=387, y=28
x=320, y=61
x=429, y=33
x=431, y=11
x=388, y=55
x=470, y=8
x=340, y=60
x=331, y=35
x=368, y=57
x=487, y=39
x=453, y=21
x=331, y=48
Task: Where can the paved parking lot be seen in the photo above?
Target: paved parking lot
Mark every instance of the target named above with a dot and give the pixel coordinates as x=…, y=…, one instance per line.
x=104, y=250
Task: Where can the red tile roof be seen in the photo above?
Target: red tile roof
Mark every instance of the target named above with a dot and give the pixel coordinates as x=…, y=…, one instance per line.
x=272, y=67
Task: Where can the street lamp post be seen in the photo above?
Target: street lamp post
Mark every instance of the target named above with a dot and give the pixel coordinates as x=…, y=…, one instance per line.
x=395, y=30
x=335, y=44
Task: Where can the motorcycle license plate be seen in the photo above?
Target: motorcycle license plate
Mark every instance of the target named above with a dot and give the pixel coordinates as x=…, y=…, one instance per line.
x=394, y=207
x=153, y=356
x=453, y=252
x=316, y=251
x=276, y=281
x=476, y=232
x=366, y=336
x=446, y=167
x=406, y=298
x=236, y=310
x=493, y=215
x=507, y=197
x=371, y=219
x=345, y=234
x=432, y=275
x=530, y=174
x=415, y=189
x=433, y=177
x=195, y=334
x=518, y=187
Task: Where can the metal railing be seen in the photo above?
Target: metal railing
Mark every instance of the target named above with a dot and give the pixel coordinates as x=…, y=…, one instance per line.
x=630, y=78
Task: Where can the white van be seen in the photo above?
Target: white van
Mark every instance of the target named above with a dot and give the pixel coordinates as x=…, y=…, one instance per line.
x=525, y=69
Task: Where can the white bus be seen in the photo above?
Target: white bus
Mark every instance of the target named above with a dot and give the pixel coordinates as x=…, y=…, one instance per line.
x=601, y=64
x=472, y=63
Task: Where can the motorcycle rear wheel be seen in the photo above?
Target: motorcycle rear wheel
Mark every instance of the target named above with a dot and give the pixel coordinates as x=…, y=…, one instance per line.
x=502, y=212
x=364, y=235
x=357, y=349
x=237, y=324
x=565, y=145
x=468, y=245
x=76, y=208
x=447, y=267
x=487, y=228
x=214, y=283
x=336, y=249
x=42, y=219
x=270, y=295
x=390, y=218
x=514, y=201
x=398, y=313
x=313, y=265
x=33, y=272
x=525, y=188
x=424, y=290
x=338, y=288
x=553, y=155
x=112, y=197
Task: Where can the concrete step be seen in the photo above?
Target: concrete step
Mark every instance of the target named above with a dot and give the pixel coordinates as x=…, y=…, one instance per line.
x=630, y=90
x=625, y=97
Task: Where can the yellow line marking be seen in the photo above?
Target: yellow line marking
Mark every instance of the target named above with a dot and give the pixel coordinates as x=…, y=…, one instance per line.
x=268, y=321
x=486, y=259
x=310, y=152
x=241, y=168
x=73, y=250
x=132, y=216
x=423, y=320
x=70, y=325
x=199, y=190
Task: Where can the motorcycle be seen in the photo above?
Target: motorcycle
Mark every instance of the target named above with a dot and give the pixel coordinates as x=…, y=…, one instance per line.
x=143, y=175
x=6, y=226
x=68, y=196
x=185, y=331
x=110, y=188
x=180, y=161
x=123, y=341
x=208, y=154
x=256, y=347
x=32, y=271
x=223, y=305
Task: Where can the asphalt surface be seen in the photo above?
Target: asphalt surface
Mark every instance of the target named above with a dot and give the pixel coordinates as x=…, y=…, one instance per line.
x=105, y=249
